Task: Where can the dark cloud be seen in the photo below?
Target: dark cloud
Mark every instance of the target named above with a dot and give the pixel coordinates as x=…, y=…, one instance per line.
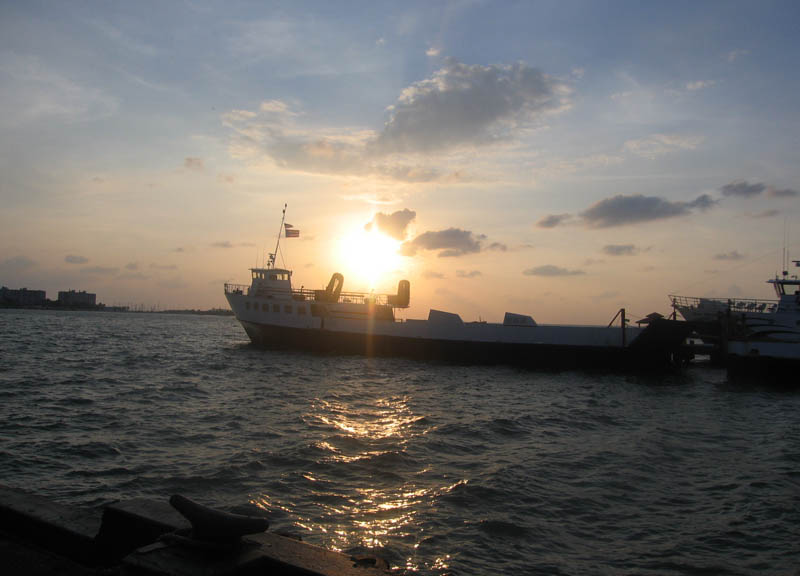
x=155, y=266
x=222, y=244
x=743, y=188
x=782, y=192
x=470, y=274
x=72, y=259
x=394, y=224
x=620, y=249
x=553, y=220
x=732, y=255
x=450, y=242
x=132, y=266
x=551, y=270
x=191, y=163
x=621, y=210
x=463, y=104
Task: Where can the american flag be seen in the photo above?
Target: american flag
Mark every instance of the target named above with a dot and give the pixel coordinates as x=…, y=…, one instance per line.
x=292, y=233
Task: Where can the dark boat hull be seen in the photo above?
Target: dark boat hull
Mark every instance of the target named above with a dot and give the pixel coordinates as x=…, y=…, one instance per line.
x=656, y=348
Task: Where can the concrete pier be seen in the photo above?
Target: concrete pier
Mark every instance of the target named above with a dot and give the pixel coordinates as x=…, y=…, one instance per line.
x=144, y=537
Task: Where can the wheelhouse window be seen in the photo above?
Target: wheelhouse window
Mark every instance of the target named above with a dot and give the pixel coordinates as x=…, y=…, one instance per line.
x=287, y=308
x=247, y=305
x=276, y=308
x=265, y=307
x=301, y=310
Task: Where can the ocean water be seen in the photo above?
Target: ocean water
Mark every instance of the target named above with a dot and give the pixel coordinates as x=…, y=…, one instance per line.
x=440, y=469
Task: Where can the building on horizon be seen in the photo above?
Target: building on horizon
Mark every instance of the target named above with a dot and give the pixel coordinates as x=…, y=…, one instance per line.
x=22, y=297
x=73, y=298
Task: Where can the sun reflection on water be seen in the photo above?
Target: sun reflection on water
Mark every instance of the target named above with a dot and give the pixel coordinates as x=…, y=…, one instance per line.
x=368, y=441
x=364, y=489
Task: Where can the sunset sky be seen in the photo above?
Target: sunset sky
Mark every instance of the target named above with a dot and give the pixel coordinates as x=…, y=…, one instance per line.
x=558, y=159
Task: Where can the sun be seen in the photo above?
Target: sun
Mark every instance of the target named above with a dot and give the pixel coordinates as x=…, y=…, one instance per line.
x=367, y=257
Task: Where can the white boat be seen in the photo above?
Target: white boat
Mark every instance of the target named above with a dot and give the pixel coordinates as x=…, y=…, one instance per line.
x=276, y=315
x=760, y=334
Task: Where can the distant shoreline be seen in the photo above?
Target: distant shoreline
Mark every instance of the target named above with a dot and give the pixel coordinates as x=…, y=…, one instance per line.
x=126, y=309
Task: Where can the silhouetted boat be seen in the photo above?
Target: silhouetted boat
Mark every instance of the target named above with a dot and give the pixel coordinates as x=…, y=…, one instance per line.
x=755, y=335
x=276, y=315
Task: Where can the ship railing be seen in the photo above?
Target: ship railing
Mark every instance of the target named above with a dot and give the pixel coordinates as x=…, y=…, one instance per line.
x=735, y=305
x=344, y=297
x=236, y=288
x=301, y=294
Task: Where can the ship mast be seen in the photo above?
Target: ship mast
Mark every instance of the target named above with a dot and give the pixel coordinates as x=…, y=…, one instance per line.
x=278, y=243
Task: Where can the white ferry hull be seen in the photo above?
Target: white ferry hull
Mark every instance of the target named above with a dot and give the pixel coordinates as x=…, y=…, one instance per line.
x=446, y=338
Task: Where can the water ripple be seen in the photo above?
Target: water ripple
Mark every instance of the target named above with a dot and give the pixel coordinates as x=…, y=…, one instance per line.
x=439, y=469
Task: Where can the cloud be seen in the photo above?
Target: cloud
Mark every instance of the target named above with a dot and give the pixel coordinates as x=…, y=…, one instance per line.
x=620, y=249
x=621, y=210
x=553, y=220
x=734, y=55
x=16, y=264
x=33, y=92
x=658, y=145
x=394, y=224
x=766, y=214
x=99, y=271
x=458, y=106
x=450, y=242
x=743, y=188
x=470, y=274
x=432, y=275
x=468, y=105
x=370, y=198
x=192, y=163
x=732, y=255
x=72, y=259
x=227, y=244
x=132, y=266
x=699, y=85
x=497, y=246
x=782, y=192
x=551, y=270
x=155, y=266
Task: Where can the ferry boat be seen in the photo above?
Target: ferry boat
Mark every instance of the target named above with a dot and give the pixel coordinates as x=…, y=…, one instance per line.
x=276, y=315
x=755, y=335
